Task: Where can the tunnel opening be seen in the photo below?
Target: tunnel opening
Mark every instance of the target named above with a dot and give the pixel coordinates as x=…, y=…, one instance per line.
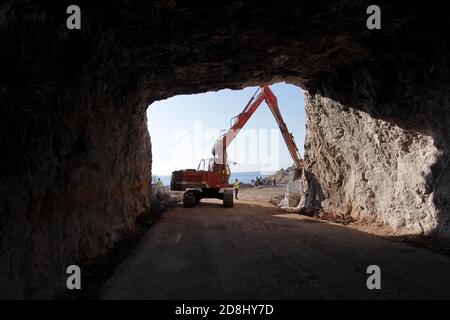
x=184, y=130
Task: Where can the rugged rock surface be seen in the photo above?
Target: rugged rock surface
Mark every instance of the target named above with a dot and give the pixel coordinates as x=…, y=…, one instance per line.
x=76, y=178
x=282, y=176
x=361, y=168
x=75, y=150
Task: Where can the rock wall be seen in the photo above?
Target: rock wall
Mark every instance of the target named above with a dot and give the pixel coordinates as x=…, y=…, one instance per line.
x=361, y=168
x=70, y=190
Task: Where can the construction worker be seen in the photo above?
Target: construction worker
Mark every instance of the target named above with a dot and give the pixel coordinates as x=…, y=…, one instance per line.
x=159, y=183
x=236, y=188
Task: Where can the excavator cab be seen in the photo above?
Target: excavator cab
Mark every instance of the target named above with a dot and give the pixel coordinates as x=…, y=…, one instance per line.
x=213, y=165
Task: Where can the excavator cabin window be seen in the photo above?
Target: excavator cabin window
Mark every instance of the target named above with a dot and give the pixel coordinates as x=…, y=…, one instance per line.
x=211, y=165
x=202, y=165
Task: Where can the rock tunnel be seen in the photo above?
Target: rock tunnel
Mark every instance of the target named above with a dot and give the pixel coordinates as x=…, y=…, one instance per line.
x=76, y=154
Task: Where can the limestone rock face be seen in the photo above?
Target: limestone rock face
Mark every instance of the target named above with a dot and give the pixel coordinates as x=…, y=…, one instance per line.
x=361, y=168
x=75, y=191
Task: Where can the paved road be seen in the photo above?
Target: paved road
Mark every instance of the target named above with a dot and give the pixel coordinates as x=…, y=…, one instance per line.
x=256, y=251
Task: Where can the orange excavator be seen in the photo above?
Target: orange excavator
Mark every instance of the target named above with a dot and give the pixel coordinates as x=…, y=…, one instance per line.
x=211, y=179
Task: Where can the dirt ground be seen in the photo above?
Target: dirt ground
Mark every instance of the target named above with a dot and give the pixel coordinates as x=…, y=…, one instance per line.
x=257, y=251
x=265, y=193
x=260, y=194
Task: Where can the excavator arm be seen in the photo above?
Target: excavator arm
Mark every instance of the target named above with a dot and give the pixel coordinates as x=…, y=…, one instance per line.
x=219, y=148
x=272, y=102
x=238, y=122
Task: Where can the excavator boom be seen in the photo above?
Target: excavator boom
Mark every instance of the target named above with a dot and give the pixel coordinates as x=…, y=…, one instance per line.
x=219, y=149
x=272, y=102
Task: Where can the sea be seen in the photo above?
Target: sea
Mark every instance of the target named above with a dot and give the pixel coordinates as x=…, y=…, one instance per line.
x=243, y=177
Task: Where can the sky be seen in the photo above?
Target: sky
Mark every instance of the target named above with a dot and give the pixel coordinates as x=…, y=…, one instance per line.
x=183, y=129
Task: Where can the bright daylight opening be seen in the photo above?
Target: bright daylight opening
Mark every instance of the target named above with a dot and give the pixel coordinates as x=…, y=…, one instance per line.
x=184, y=129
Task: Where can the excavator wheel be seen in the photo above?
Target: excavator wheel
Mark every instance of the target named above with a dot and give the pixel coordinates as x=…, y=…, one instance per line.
x=228, y=199
x=189, y=199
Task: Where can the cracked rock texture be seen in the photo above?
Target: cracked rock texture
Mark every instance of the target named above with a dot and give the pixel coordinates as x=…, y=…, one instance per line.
x=76, y=162
x=361, y=168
